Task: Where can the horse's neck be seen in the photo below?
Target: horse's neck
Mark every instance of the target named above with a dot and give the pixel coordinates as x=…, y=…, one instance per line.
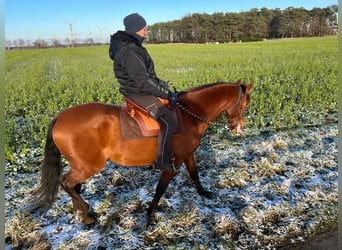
x=212, y=101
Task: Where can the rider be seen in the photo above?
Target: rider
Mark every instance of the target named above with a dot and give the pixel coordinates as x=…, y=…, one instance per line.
x=134, y=70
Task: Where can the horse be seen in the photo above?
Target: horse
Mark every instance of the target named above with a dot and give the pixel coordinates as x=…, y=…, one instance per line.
x=88, y=135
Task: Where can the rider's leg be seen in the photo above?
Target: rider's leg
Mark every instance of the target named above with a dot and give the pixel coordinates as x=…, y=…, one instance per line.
x=168, y=124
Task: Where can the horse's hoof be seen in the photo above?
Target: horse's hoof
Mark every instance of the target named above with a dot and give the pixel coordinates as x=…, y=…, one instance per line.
x=151, y=219
x=89, y=221
x=207, y=194
x=150, y=223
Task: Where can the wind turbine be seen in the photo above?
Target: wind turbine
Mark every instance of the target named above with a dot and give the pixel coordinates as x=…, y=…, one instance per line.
x=90, y=39
x=100, y=29
x=71, y=32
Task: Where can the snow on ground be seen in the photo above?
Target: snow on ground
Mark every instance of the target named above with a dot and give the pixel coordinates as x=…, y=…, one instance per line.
x=270, y=190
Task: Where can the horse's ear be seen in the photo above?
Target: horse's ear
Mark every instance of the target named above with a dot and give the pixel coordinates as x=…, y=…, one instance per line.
x=239, y=82
x=248, y=87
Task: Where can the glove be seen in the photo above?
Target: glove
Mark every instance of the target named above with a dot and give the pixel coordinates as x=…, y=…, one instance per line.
x=173, y=98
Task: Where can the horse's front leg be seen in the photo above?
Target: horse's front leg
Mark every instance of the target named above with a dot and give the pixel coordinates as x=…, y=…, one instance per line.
x=190, y=164
x=164, y=181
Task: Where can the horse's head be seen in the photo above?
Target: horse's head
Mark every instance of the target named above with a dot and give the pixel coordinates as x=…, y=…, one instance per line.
x=236, y=113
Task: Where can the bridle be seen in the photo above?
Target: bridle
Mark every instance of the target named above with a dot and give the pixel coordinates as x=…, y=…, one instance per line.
x=202, y=119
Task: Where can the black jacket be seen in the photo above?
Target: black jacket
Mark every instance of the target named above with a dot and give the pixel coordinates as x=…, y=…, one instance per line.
x=134, y=68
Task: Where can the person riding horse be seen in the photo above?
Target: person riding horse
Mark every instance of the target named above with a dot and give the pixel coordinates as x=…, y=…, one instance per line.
x=134, y=69
x=88, y=135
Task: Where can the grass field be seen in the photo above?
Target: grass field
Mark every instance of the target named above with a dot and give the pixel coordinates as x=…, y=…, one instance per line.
x=295, y=85
x=295, y=81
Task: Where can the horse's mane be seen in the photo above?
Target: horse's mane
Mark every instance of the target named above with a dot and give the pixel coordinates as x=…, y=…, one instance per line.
x=205, y=86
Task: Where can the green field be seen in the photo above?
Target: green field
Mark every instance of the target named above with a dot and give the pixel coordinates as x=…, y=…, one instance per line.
x=295, y=82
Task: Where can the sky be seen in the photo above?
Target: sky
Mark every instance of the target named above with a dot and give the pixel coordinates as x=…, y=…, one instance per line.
x=51, y=19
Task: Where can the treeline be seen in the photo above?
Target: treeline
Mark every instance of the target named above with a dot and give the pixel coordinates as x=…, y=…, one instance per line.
x=52, y=43
x=253, y=25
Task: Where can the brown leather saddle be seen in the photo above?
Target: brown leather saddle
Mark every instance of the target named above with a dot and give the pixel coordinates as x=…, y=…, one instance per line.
x=148, y=126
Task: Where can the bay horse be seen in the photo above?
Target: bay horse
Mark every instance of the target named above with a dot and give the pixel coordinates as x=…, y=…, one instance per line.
x=88, y=135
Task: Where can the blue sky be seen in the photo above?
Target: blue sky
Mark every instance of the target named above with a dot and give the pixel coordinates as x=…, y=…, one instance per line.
x=46, y=19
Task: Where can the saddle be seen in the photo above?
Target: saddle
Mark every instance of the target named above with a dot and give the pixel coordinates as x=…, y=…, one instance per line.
x=148, y=126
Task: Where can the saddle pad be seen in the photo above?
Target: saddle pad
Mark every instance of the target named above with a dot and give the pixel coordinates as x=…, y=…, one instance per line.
x=129, y=127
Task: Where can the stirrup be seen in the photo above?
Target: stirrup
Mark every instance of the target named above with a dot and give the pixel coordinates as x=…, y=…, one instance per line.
x=166, y=167
x=172, y=165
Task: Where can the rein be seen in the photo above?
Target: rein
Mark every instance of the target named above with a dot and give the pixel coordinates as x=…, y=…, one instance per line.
x=202, y=119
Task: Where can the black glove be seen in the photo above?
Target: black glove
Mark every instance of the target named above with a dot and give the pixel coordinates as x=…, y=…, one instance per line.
x=173, y=98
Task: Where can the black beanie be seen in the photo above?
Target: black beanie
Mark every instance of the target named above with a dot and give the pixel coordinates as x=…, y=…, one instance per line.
x=133, y=23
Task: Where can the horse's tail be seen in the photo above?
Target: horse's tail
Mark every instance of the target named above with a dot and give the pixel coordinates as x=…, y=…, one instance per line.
x=52, y=168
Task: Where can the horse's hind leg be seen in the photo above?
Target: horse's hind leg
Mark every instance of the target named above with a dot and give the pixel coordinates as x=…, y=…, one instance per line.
x=71, y=184
x=190, y=164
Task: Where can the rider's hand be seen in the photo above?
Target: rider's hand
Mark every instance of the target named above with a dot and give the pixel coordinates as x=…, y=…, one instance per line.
x=173, y=98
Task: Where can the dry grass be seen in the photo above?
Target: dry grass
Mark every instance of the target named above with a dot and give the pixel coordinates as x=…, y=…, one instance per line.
x=21, y=233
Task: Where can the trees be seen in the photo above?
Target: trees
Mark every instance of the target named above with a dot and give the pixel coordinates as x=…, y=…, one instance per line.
x=40, y=44
x=324, y=21
x=256, y=24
